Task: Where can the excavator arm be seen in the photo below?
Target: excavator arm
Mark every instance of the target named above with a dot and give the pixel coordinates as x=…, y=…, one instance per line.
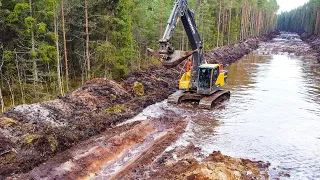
x=167, y=54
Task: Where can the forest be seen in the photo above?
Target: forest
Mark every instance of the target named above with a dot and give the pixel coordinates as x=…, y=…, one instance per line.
x=302, y=19
x=48, y=47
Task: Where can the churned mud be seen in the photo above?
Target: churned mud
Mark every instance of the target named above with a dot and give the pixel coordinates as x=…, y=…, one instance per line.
x=144, y=150
x=77, y=134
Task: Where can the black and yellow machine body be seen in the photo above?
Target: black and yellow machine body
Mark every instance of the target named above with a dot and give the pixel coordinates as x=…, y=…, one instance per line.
x=211, y=77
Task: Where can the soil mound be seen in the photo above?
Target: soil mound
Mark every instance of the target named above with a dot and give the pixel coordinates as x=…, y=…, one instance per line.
x=30, y=134
x=228, y=54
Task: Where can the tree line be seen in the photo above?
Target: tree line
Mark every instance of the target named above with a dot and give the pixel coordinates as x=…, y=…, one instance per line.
x=49, y=47
x=302, y=19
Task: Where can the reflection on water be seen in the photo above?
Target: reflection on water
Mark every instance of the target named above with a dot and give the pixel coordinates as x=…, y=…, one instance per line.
x=273, y=114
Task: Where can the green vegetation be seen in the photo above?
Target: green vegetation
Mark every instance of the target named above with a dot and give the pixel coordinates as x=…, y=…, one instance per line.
x=49, y=47
x=7, y=122
x=53, y=142
x=116, y=109
x=10, y=156
x=29, y=138
x=138, y=89
x=302, y=19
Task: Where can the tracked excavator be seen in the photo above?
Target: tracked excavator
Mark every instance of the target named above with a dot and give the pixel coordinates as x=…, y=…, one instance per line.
x=201, y=81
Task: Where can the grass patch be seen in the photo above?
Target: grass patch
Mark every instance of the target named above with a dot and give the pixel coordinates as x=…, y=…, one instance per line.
x=116, y=109
x=10, y=156
x=53, y=142
x=29, y=138
x=8, y=122
x=138, y=89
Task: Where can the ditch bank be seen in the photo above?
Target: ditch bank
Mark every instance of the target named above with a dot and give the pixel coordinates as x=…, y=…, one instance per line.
x=314, y=42
x=33, y=134
x=226, y=55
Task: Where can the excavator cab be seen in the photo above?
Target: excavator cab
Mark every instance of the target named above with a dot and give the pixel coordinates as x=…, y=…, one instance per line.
x=211, y=78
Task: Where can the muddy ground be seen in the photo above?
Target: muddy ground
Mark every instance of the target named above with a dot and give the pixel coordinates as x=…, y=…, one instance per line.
x=279, y=46
x=153, y=159
x=32, y=134
x=314, y=42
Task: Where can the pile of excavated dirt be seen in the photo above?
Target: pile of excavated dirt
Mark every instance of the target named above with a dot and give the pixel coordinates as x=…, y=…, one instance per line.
x=31, y=134
x=314, y=42
x=215, y=166
x=228, y=54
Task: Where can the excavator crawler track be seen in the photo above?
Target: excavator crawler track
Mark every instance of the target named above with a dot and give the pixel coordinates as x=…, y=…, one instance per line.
x=205, y=101
x=175, y=98
x=209, y=101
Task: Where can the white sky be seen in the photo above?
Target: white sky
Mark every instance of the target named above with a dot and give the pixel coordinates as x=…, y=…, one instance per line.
x=287, y=5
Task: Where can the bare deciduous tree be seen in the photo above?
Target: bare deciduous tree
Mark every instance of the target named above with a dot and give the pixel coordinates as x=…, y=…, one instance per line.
x=87, y=39
x=65, y=45
x=58, y=52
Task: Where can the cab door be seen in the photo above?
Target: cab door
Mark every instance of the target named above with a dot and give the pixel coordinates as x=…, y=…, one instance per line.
x=204, y=81
x=214, y=77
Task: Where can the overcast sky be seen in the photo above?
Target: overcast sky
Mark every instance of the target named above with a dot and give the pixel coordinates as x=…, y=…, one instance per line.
x=287, y=5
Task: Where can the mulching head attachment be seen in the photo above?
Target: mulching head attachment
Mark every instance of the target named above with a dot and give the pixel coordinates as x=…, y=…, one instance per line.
x=171, y=60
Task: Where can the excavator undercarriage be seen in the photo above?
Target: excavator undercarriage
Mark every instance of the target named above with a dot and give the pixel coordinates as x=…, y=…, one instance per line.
x=205, y=102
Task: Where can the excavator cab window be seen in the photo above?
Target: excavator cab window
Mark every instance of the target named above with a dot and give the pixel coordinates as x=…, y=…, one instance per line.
x=215, y=75
x=205, y=78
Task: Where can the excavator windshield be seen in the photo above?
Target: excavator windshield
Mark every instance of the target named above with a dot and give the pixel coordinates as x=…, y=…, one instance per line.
x=204, y=78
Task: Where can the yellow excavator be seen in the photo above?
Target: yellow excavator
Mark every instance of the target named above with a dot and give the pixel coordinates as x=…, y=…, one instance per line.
x=201, y=82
